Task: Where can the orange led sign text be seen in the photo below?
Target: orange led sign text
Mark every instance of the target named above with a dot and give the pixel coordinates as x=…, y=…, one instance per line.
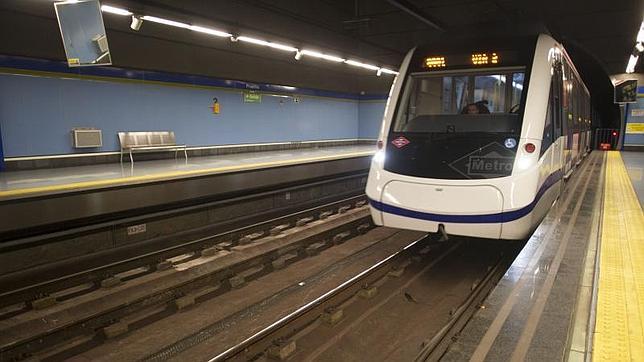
x=435, y=62
x=485, y=58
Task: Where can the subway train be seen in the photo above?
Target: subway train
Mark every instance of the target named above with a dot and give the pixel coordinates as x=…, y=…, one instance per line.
x=478, y=137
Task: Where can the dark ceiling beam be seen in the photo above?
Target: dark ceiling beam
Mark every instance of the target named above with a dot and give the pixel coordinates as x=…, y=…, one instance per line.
x=417, y=13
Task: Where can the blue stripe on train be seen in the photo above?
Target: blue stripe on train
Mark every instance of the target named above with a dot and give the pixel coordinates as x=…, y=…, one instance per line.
x=472, y=219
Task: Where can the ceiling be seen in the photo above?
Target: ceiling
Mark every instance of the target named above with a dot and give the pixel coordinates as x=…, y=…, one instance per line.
x=599, y=34
x=382, y=31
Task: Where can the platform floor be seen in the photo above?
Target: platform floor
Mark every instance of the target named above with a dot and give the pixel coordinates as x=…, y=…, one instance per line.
x=28, y=182
x=562, y=299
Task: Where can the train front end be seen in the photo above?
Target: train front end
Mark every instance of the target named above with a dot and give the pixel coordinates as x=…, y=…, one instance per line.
x=452, y=157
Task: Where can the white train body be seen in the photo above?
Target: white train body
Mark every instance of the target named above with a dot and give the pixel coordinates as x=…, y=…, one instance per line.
x=475, y=174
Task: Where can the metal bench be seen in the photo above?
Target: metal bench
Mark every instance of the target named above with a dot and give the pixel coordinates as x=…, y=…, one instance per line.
x=132, y=142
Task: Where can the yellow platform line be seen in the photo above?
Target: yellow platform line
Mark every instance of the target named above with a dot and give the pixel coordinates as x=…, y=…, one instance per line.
x=619, y=328
x=76, y=186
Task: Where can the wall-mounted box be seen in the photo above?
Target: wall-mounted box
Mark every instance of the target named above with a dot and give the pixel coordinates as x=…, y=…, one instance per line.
x=87, y=138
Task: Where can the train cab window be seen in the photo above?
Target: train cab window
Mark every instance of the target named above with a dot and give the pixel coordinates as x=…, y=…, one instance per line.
x=517, y=91
x=429, y=101
x=490, y=91
x=448, y=118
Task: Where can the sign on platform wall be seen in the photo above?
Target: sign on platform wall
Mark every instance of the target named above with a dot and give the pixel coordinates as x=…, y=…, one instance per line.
x=252, y=97
x=83, y=33
x=626, y=91
x=635, y=128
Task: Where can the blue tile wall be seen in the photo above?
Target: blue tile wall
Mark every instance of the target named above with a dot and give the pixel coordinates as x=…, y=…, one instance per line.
x=38, y=112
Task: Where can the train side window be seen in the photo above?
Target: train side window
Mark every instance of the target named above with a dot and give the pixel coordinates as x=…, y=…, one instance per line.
x=548, y=129
x=555, y=92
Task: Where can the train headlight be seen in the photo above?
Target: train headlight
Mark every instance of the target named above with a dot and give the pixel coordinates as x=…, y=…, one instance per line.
x=379, y=157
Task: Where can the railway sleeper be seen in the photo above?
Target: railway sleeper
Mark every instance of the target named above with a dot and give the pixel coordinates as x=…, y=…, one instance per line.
x=161, y=302
x=278, y=229
x=247, y=239
x=284, y=260
x=344, y=209
x=303, y=221
x=281, y=349
x=332, y=315
x=341, y=237
x=316, y=248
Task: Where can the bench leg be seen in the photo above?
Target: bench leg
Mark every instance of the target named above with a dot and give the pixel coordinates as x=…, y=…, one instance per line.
x=131, y=158
x=185, y=153
x=121, y=156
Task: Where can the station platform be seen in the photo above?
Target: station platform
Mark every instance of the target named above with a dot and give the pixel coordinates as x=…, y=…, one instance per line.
x=576, y=290
x=36, y=198
x=16, y=184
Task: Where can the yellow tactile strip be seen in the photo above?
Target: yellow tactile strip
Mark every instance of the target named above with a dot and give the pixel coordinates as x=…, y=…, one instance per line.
x=76, y=186
x=619, y=328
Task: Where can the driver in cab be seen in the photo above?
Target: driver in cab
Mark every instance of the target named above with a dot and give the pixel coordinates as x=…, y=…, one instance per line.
x=479, y=107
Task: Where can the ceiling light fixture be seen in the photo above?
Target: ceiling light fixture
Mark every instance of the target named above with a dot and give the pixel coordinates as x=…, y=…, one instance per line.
x=388, y=71
x=639, y=47
x=632, y=62
x=115, y=10
x=315, y=54
x=640, y=34
x=215, y=32
x=176, y=24
x=278, y=46
x=361, y=65
x=137, y=21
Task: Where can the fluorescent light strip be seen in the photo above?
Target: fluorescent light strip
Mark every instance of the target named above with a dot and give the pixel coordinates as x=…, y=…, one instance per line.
x=115, y=11
x=315, y=54
x=176, y=24
x=284, y=47
x=247, y=39
x=388, y=71
x=215, y=32
x=361, y=65
x=632, y=62
x=640, y=34
x=278, y=46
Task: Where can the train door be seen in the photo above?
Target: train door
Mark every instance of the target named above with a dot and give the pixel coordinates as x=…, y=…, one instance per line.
x=556, y=106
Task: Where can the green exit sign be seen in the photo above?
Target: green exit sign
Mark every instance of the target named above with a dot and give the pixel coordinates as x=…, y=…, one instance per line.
x=252, y=97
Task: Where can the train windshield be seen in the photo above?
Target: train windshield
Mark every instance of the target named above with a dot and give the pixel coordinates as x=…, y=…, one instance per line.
x=457, y=125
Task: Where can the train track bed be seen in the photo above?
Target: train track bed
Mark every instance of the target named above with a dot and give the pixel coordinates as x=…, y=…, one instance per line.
x=402, y=307
x=339, y=288
x=80, y=316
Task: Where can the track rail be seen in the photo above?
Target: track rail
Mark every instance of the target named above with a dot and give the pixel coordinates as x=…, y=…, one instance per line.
x=318, y=228
x=279, y=332
x=31, y=293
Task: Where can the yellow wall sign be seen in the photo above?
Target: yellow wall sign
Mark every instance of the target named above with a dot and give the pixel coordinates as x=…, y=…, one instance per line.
x=637, y=128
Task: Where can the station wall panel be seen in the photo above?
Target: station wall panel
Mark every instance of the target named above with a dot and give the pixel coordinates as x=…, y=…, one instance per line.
x=634, y=132
x=37, y=114
x=370, y=118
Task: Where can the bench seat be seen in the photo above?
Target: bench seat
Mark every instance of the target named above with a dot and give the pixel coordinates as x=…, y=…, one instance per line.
x=132, y=142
